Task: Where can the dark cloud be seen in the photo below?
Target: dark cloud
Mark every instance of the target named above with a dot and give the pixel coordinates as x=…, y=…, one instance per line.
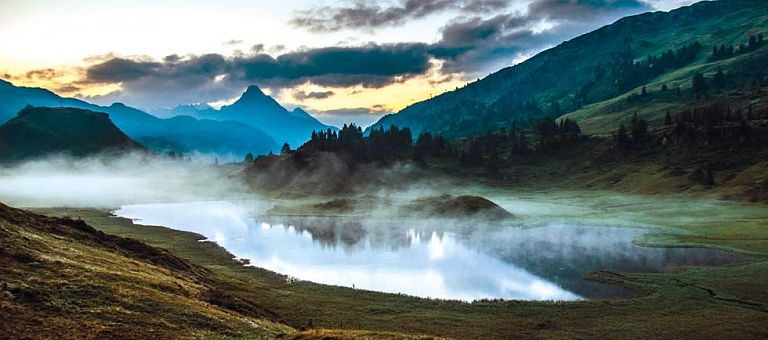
x=44, y=74
x=214, y=77
x=582, y=10
x=68, y=89
x=258, y=48
x=119, y=70
x=172, y=58
x=301, y=95
x=370, y=65
x=370, y=14
x=477, y=45
x=474, y=45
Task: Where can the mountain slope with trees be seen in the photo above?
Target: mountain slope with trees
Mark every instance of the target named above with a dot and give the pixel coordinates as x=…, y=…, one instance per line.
x=594, y=78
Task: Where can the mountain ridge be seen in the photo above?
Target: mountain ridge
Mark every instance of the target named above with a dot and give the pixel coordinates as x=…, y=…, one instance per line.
x=576, y=73
x=141, y=125
x=255, y=108
x=42, y=131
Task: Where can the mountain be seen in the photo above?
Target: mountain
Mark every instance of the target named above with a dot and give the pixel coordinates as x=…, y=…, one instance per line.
x=182, y=110
x=209, y=136
x=597, y=77
x=41, y=131
x=260, y=110
x=178, y=133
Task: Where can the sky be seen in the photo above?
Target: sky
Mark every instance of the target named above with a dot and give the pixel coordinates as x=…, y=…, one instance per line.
x=341, y=60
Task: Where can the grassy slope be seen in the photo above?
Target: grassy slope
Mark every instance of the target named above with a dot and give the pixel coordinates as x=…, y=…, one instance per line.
x=61, y=278
x=678, y=304
x=69, y=281
x=731, y=29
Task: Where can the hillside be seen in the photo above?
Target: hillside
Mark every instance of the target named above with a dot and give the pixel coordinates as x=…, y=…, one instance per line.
x=590, y=77
x=40, y=131
x=257, y=109
x=207, y=136
x=116, y=286
x=61, y=278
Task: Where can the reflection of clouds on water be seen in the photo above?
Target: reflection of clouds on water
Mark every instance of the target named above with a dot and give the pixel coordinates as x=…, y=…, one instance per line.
x=442, y=259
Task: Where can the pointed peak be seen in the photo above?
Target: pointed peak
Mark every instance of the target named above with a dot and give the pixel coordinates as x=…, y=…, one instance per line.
x=253, y=91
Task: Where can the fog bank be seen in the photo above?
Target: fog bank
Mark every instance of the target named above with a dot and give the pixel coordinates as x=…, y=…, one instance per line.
x=110, y=182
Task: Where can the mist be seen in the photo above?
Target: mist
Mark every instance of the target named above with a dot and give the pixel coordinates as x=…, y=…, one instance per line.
x=109, y=182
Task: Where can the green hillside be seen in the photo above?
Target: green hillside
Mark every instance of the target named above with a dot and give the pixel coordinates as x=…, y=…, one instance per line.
x=591, y=77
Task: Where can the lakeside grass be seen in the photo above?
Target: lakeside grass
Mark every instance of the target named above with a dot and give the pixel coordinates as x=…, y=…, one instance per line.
x=679, y=303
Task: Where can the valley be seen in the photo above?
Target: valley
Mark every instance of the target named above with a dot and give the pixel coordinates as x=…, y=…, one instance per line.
x=611, y=184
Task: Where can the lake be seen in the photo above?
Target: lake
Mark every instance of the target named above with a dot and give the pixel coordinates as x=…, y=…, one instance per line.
x=464, y=260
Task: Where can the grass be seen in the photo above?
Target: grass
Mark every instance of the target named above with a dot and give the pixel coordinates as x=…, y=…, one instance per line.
x=605, y=116
x=677, y=304
x=59, y=278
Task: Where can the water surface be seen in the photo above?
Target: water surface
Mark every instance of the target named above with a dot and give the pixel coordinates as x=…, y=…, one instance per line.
x=428, y=258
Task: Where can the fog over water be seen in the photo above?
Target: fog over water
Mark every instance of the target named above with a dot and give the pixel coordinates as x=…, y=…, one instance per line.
x=543, y=254
x=427, y=258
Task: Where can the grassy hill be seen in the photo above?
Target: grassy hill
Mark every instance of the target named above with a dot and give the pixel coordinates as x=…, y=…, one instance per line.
x=61, y=278
x=42, y=131
x=590, y=77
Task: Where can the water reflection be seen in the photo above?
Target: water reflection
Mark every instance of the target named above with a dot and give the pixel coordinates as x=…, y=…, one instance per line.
x=436, y=259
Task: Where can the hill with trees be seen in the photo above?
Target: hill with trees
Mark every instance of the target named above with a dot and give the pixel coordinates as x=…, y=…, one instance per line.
x=644, y=64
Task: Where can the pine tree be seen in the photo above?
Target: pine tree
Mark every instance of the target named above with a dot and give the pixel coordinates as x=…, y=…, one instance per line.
x=249, y=158
x=718, y=81
x=621, y=138
x=699, y=84
x=668, y=119
x=286, y=149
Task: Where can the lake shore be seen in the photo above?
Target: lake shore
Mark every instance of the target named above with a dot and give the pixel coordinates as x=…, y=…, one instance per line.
x=673, y=304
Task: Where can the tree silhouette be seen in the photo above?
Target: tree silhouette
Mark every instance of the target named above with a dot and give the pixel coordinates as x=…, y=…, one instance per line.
x=699, y=84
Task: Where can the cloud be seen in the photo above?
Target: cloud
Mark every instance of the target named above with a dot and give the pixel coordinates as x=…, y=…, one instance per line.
x=210, y=77
x=483, y=36
x=666, y=5
x=475, y=45
x=232, y=42
x=486, y=34
x=68, y=89
x=258, y=48
x=583, y=10
x=369, y=15
x=301, y=95
x=361, y=116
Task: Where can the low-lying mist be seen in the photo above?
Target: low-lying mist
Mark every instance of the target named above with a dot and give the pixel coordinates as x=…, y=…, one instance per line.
x=108, y=182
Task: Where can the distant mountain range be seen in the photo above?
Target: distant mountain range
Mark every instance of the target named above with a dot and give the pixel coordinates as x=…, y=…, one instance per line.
x=252, y=124
x=260, y=110
x=592, y=78
x=41, y=131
